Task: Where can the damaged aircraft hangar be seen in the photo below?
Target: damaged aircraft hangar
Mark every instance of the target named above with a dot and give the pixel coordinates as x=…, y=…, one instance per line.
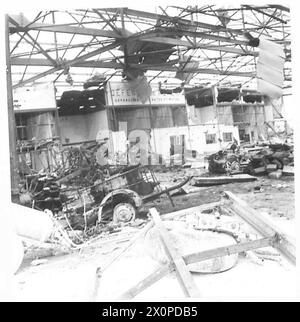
x=138, y=137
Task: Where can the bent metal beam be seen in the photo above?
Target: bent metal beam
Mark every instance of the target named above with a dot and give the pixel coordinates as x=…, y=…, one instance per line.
x=67, y=63
x=114, y=65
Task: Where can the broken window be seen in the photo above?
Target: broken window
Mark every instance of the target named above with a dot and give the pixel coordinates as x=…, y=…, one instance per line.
x=179, y=116
x=227, y=136
x=210, y=138
x=162, y=116
x=80, y=102
x=134, y=117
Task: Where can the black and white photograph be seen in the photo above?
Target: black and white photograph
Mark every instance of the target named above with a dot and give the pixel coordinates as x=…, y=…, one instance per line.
x=148, y=153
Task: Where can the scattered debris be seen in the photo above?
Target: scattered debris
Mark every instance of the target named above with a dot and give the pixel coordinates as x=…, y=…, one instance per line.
x=224, y=162
x=258, y=189
x=84, y=194
x=178, y=192
x=89, y=207
x=171, y=240
x=275, y=175
x=255, y=160
x=188, y=240
x=284, y=243
x=280, y=185
x=288, y=170
x=34, y=251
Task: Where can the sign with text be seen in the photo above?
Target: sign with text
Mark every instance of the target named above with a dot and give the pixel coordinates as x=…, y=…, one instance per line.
x=34, y=98
x=121, y=94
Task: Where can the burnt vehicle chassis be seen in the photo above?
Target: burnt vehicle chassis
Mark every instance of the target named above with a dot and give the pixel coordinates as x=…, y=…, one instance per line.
x=226, y=161
x=117, y=196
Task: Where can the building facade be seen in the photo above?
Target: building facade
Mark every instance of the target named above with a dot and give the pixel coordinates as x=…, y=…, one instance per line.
x=169, y=129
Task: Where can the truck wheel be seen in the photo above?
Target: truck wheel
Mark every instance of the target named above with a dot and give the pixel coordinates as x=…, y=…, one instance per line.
x=123, y=213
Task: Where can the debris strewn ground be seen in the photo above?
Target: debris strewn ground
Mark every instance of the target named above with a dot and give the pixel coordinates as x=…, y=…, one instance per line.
x=74, y=273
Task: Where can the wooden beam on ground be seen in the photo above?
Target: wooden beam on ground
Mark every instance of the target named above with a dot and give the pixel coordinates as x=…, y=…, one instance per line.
x=157, y=275
x=186, y=211
x=139, y=235
x=183, y=274
x=101, y=269
x=213, y=181
x=230, y=250
x=263, y=225
x=198, y=257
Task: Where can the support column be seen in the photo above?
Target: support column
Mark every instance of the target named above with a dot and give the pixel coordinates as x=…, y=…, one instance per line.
x=213, y=90
x=11, y=118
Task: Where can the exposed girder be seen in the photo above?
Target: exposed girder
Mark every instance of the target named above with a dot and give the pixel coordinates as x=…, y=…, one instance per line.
x=199, y=34
x=114, y=65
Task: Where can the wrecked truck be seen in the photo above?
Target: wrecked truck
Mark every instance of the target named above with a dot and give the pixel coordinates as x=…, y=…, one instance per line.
x=251, y=161
x=116, y=197
x=83, y=192
x=224, y=161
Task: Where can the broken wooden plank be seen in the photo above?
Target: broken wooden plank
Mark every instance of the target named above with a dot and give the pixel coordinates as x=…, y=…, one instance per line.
x=213, y=181
x=139, y=235
x=263, y=225
x=229, y=250
x=98, y=276
x=186, y=211
x=197, y=257
x=166, y=191
x=147, y=282
x=101, y=269
x=183, y=274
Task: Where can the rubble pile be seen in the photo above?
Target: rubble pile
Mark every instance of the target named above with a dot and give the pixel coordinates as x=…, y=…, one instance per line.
x=215, y=225
x=255, y=160
x=98, y=206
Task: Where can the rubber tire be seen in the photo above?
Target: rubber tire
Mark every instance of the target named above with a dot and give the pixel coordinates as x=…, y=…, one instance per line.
x=131, y=208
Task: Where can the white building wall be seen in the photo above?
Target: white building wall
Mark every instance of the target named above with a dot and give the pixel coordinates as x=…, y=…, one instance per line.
x=203, y=115
x=92, y=126
x=161, y=143
x=80, y=128
x=195, y=139
x=96, y=122
x=73, y=128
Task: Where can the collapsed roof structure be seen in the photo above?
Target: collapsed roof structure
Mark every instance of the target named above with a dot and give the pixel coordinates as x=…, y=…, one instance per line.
x=200, y=45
